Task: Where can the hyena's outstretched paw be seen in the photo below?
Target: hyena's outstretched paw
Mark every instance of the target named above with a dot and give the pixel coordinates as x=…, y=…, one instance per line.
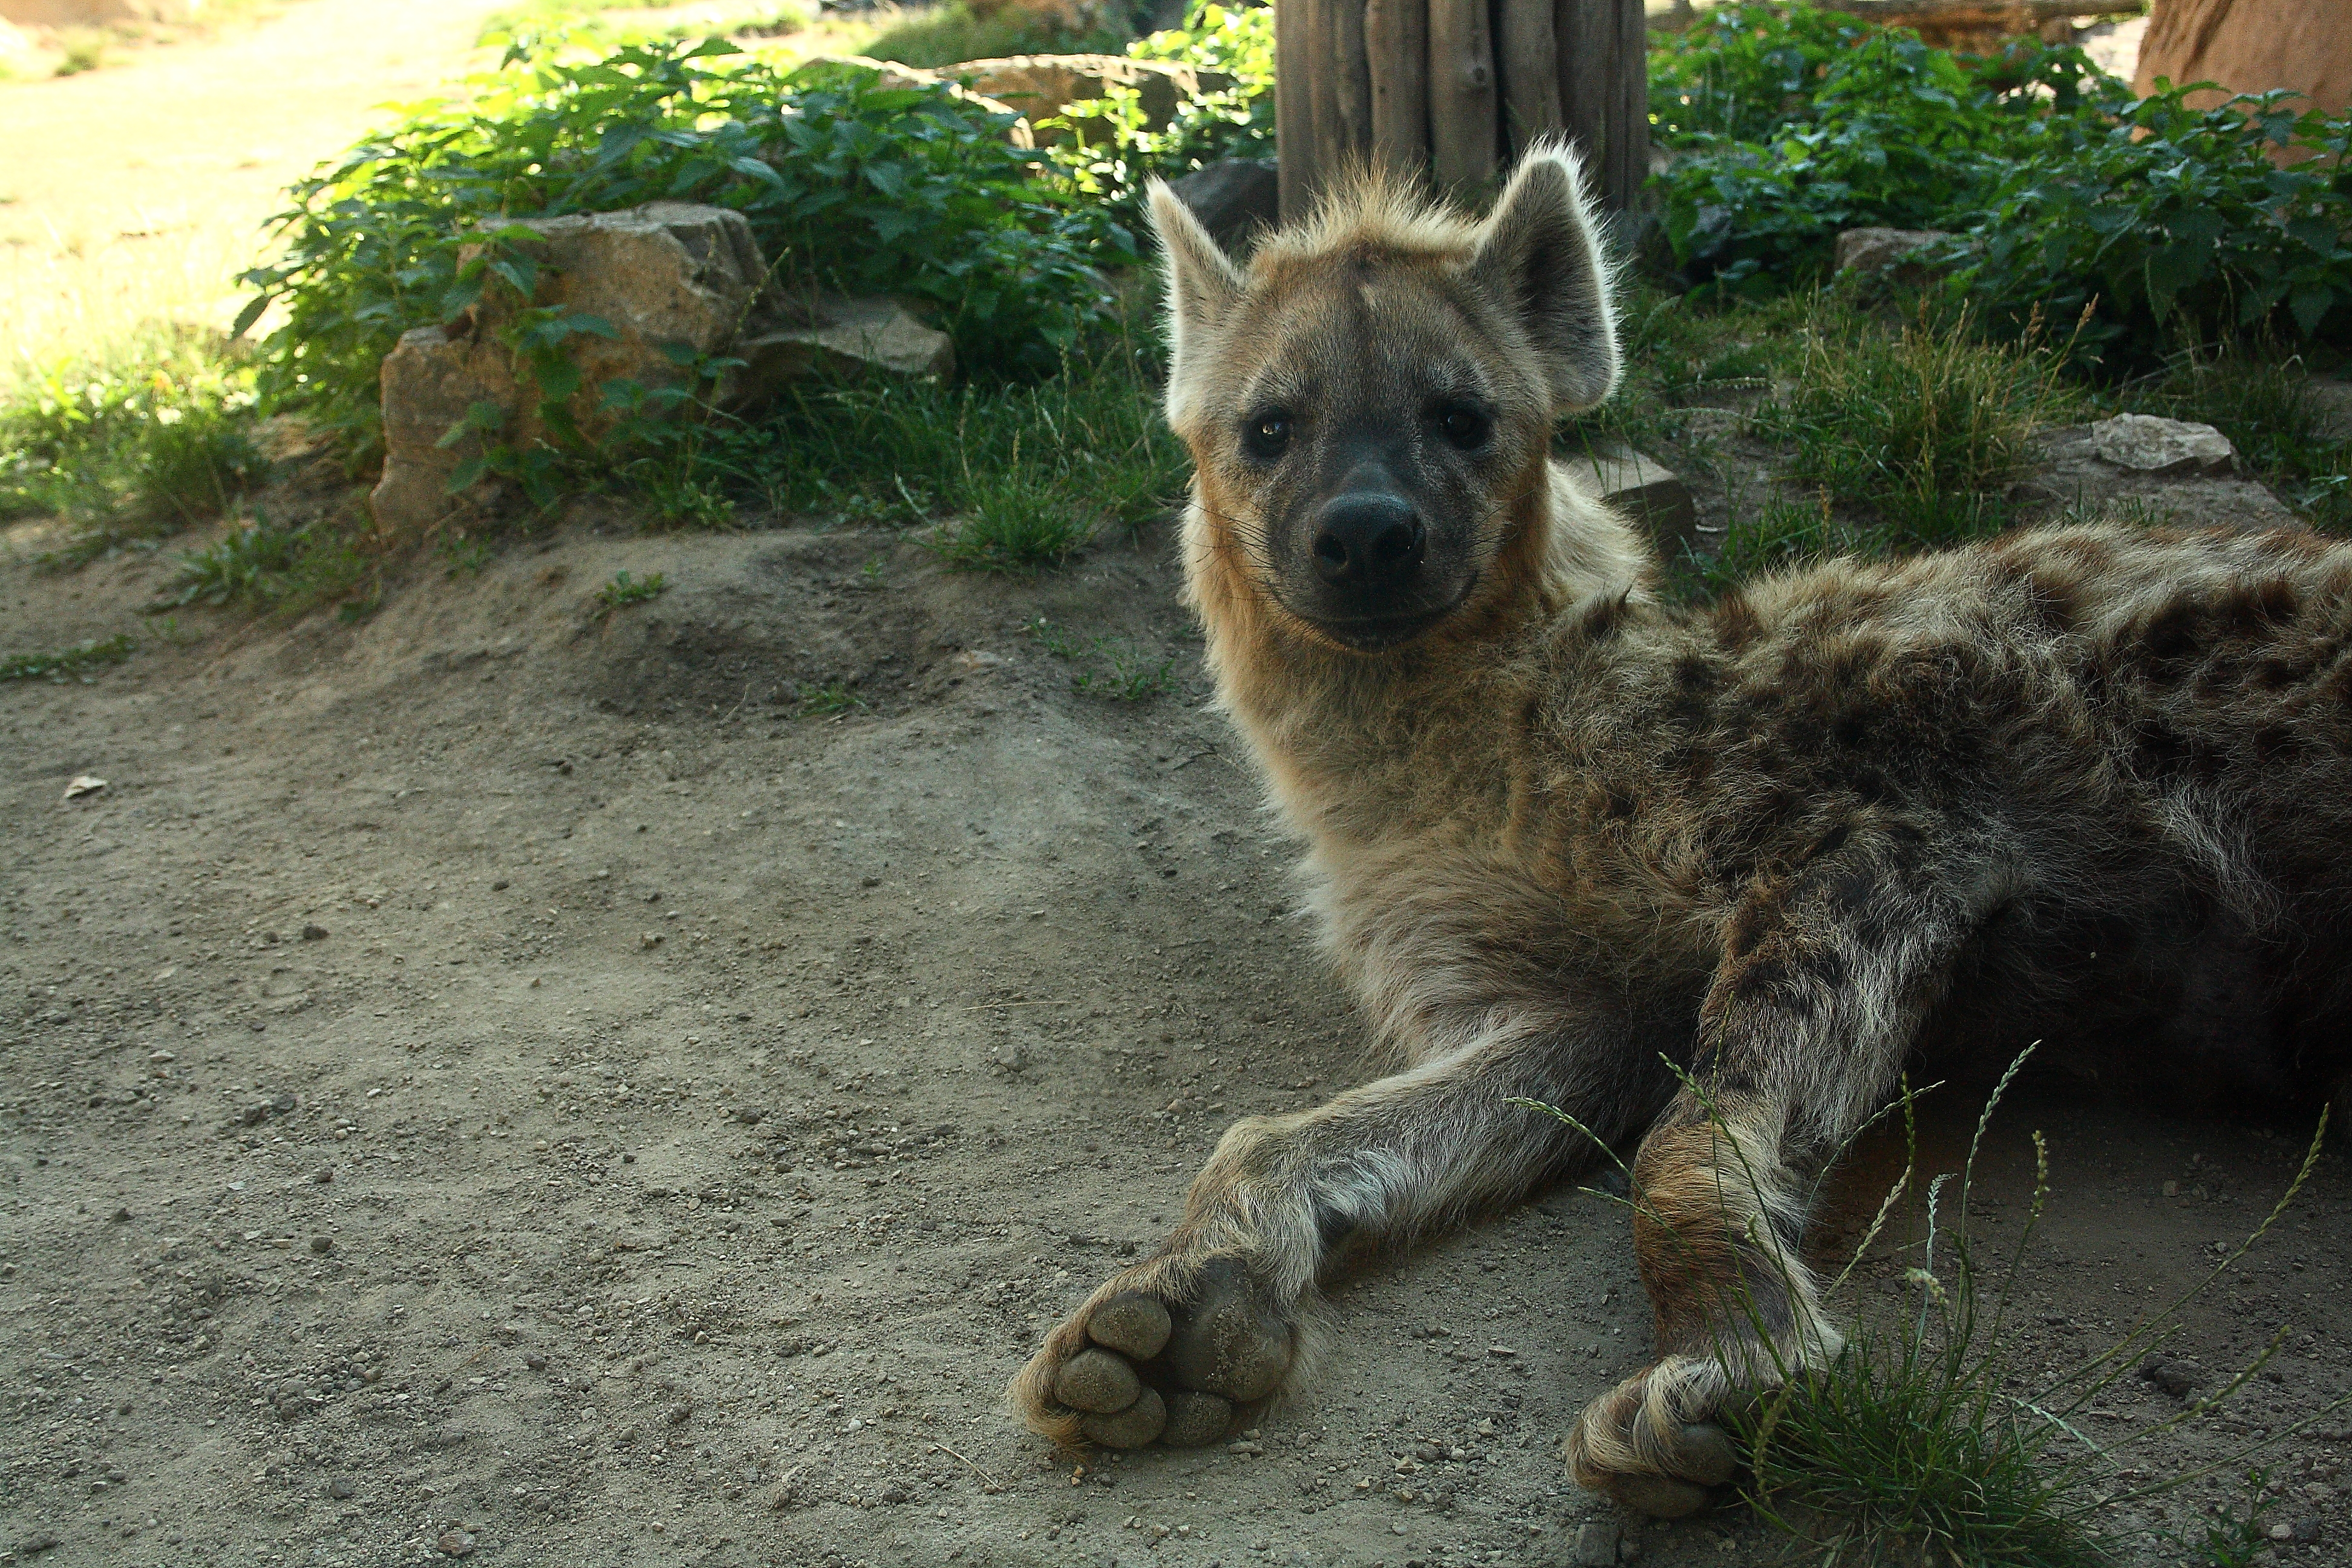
x=1169, y=1352
x=1652, y=1442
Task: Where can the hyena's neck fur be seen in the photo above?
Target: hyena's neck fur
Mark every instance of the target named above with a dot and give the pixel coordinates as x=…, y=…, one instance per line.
x=1375, y=761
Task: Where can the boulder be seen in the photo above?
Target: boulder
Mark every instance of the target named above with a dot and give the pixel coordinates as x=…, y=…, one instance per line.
x=19, y=56
x=664, y=277
x=669, y=279
x=895, y=76
x=1043, y=86
x=2164, y=448
x=2251, y=45
x=430, y=382
x=1234, y=198
x=1876, y=252
x=826, y=334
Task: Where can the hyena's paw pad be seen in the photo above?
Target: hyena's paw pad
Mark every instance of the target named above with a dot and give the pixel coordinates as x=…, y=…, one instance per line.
x=1651, y=1442
x=1139, y=1367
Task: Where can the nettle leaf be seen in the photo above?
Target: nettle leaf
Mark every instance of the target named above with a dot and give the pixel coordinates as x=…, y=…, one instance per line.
x=2309, y=305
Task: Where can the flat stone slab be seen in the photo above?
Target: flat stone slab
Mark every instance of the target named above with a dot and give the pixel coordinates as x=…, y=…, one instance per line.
x=1645, y=491
x=2147, y=445
x=1871, y=251
x=2071, y=471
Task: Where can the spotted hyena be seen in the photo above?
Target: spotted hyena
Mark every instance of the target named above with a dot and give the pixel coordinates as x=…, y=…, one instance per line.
x=2088, y=785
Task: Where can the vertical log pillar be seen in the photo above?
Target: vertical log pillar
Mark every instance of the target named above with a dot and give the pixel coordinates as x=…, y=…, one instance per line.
x=1453, y=91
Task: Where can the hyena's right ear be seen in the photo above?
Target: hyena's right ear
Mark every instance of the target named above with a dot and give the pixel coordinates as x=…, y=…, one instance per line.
x=1539, y=257
x=1203, y=287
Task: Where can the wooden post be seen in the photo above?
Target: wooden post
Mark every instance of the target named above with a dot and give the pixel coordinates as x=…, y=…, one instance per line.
x=1293, y=104
x=1461, y=96
x=1396, y=52
x=1451, y=91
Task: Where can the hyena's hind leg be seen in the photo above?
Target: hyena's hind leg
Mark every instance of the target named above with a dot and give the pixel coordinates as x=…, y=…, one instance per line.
x=1823, y=984
x=1175, y=1349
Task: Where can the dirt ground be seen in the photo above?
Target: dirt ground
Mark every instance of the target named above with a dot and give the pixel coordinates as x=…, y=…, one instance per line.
x=488, y=1078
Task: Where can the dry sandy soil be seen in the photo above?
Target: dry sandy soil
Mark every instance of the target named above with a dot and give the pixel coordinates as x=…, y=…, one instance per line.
x=490, y=1070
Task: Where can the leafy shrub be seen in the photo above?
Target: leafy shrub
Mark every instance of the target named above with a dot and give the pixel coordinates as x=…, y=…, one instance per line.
x=1791, y=125
x=902, y=190
x=1115, y=150
x=2175, y=222
x=624, y=589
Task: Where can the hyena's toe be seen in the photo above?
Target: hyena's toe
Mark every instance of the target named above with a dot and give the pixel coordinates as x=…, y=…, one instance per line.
x=1650, y=1442
x=1169, y=1359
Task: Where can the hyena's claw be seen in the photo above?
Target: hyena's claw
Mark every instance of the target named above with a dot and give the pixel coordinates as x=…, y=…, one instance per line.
x=1172, y=1365
x=1648, y=1444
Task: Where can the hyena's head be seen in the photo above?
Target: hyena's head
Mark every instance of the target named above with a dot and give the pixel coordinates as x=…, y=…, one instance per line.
x=1370, y=404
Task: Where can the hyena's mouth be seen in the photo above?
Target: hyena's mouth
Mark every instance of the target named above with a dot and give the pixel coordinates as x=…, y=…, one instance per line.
x=1376, y=634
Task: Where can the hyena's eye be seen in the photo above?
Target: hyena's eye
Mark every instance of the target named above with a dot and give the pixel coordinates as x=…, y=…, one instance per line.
x=1466, y=427
x=1268, y=434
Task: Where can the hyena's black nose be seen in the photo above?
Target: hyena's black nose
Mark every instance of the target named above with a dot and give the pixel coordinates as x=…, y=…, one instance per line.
x=1368, y=540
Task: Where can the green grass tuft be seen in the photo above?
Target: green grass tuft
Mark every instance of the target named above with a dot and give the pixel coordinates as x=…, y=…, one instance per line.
x=1925, y=429
x=1106, y=667
x=625, y=589
x=70, y=661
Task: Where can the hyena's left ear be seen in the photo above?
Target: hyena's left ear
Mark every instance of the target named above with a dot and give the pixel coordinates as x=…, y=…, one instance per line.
x=1539, y=257
x=1204, y=286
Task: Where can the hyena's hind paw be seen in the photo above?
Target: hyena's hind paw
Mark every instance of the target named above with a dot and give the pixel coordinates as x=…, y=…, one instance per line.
x=1652, y=1442
x=1164, y=1353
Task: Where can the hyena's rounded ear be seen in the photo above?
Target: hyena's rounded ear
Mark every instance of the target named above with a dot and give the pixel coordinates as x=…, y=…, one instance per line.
x=1203, y=284
x=1539, y=257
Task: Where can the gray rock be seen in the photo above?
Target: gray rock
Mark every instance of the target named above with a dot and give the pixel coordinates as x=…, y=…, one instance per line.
x=1645, y=491
x=2071, y=473
x=2147, y=445
x=1595, y=1545
x=2178, y=1378
x=1236, y=199
x=818, y=334
x=1875, y=252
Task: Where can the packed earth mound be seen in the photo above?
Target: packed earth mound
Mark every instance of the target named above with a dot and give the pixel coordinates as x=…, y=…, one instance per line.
x=553, y=1082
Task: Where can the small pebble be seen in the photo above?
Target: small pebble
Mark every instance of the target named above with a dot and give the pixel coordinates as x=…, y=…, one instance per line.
x=314, y=934
x=121, y=1214
x=322, y=1245
x=455, y=1543
x=343, y=1487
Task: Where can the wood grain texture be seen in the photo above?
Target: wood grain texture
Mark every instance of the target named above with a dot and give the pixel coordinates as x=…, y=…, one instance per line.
x=1294, y=105
x=1629, y=110
x=1530, y=72
x=1396, y=53
x=1462, y=96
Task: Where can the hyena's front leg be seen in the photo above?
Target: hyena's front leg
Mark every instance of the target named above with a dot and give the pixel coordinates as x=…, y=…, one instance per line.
x=1171, y=1350
x=1821, y=987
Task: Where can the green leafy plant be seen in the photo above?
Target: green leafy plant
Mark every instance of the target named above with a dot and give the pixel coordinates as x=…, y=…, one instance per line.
x=2169, y=225
x=904, y=191
x=254, y=565
x=69, y=662
x=826, y=701
x=624, y=589
x=1113, y=148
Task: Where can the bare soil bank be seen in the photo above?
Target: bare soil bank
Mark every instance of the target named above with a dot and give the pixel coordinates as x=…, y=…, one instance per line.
x=488, y=1079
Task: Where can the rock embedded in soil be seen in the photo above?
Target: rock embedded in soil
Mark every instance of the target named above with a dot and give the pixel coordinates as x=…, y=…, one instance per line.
x=1873, y=252
x=1595, y=1545
x=1133, y=1427
x=1097, y=1381
x=1133, y=1324
x=2177, y=1377
x=2165, y=448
